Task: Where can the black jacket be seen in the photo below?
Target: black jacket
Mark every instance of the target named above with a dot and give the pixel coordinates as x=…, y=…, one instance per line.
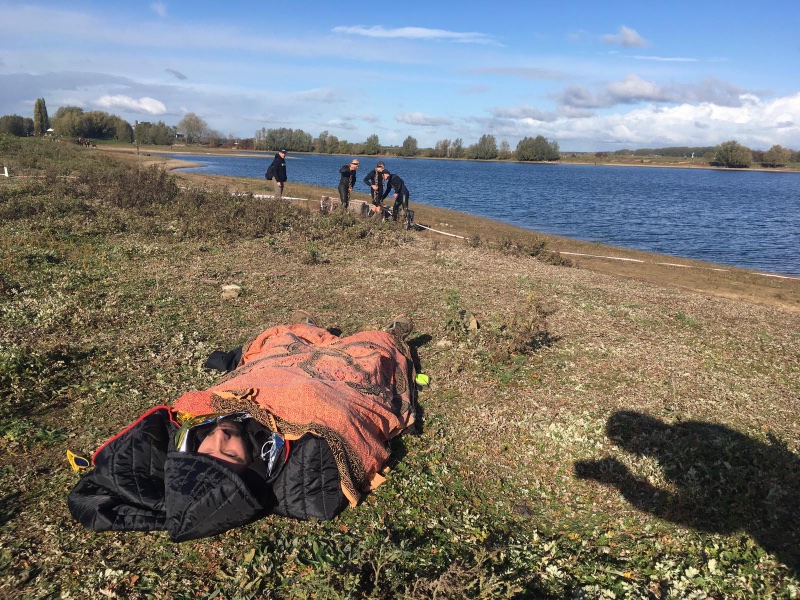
x=278, y=168
x=142, y=482
x=347, y=177
x=398, y=185
x=372, y=178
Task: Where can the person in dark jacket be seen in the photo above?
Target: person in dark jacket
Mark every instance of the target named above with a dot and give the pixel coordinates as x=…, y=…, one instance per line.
x=374, y=180
x=277, y=171
x=299, y=427
x=393, y=182
x=347, y=181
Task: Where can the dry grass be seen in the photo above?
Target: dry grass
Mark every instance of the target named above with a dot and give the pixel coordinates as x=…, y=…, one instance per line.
x=522, y=482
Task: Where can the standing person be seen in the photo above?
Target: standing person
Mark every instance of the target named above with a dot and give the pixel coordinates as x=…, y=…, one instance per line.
x=347, y=181
x=374, y=180
x=277, y=171
x=393, y=182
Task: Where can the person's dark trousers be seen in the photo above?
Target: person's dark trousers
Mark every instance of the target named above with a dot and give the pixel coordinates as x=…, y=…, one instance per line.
x=402, y=200
x=344, y=195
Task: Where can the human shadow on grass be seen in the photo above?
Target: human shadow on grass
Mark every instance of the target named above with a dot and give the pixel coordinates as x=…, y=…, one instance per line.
x=723, y=481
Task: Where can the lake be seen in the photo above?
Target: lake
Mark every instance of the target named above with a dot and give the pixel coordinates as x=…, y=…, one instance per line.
x=748, y=219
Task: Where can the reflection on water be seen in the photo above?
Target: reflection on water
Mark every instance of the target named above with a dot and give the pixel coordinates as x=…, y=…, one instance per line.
x=747, y=219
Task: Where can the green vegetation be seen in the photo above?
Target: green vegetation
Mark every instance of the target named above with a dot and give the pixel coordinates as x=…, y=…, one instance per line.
x=537, y=148
x=41, y=122
x=562, y=451
x=733, y=154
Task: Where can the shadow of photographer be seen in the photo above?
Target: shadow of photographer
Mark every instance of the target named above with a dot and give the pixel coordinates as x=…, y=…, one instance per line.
x=722, y=481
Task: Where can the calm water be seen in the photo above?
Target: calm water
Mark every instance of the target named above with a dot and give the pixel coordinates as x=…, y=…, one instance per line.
x=747, y=219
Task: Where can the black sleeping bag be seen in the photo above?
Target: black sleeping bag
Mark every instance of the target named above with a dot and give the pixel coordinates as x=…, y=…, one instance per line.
x=142, y=482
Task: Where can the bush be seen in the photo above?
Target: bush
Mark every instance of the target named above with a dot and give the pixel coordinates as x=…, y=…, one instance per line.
x=733, y=155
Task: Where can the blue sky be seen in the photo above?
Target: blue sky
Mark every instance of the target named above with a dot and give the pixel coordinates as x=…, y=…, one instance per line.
x=590, y=75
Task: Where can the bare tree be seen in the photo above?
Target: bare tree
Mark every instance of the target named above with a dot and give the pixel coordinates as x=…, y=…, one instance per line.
x=193, y=127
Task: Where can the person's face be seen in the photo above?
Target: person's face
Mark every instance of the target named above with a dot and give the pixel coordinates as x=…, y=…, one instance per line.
x=225, y=444
x=354, y=165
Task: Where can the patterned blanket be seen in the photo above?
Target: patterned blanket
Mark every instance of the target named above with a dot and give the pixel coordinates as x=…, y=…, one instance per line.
x=355, y=392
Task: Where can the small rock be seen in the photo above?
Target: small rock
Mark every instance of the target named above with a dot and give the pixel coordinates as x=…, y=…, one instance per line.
x=231, y=290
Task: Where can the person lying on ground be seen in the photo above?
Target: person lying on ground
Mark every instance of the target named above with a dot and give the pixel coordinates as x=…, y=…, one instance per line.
x=299, y=427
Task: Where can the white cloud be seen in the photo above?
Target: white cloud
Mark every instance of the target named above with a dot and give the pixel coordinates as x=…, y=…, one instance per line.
x=160, y=9
x=144, y=105
x=627, y=37
x=522, y=112
x=423, y=120
x=666, y=58
x=416, y=33
x=530, y=73
x=323, y=95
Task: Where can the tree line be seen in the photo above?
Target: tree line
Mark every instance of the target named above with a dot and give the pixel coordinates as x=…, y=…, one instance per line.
x=74, y=122
x=729, y=154
x=486, y=148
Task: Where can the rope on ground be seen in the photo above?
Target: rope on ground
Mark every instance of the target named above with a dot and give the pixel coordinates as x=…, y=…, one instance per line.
x=636, y=260
x=461, y=237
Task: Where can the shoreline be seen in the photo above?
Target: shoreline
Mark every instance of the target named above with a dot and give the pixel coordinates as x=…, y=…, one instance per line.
x=735, y=283
x=592, y=163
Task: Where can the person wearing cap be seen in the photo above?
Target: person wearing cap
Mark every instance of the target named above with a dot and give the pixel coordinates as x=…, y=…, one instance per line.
x=347, y=181
x=393, y=182
x=374, y=180
x=277, y=170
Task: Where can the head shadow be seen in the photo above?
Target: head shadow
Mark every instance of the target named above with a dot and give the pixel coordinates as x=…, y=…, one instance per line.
x=723, y=481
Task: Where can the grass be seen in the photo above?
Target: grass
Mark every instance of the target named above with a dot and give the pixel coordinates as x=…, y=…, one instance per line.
x=583, y=435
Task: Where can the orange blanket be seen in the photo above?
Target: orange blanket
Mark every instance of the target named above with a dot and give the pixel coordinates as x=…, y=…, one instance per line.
x=356, y=392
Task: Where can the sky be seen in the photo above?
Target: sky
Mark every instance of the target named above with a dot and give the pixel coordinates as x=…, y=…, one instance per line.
x=592, y=76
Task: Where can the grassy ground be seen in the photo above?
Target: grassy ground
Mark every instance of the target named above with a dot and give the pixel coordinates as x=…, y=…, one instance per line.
x=598, y=435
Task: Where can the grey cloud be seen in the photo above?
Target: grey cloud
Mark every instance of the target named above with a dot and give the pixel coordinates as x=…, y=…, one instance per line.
x=177, y=74
x=423, y=120
x=523, y=112
x=700, y=125
x=627, y=37
x=633, y=90
x=324, y=95
x=576, y=96
x=531, y=73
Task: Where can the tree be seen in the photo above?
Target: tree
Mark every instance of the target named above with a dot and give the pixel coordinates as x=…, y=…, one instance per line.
x=158, y=134
x=372, y=146
x=457, y=148
x=734, y=155
x=67, y=121
x=777, y=156
x=537, y=148
x=409, y=147
x=193, y=127
x=13, y=125
x=41, y=123
x=321, y=143
x=442, y=148
x=485, y=149
x=505, y=150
